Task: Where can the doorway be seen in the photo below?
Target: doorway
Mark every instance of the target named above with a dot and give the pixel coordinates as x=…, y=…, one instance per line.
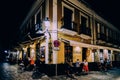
x=84, y=50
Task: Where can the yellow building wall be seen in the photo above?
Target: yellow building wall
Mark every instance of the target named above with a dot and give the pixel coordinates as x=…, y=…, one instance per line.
x=61, y=57
x=77, y=54
x=113, y=57
x=74, y=38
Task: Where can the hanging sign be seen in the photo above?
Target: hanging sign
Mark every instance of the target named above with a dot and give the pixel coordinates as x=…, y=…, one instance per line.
x=56, y=43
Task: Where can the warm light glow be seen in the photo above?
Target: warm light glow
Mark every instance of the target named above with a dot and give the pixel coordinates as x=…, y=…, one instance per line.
x=32, y=51
x=77, y=49
x=105, y=53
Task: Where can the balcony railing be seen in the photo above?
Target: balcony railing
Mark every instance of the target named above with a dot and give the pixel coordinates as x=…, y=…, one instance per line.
x=69, y=30
x=85, y=30
x=101, y=36
x=74, y=25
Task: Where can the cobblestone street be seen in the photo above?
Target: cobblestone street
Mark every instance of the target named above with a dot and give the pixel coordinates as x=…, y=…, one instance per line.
x=10, y=72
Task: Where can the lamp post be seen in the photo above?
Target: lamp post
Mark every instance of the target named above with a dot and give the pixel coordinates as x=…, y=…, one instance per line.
x=48, y=49
x=47, y=34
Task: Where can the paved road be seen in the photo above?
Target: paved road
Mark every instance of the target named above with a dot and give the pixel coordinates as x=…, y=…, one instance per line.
x=10, y=72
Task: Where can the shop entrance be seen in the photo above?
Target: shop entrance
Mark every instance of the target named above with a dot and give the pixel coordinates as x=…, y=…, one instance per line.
x=84, y=50
x=68, y=52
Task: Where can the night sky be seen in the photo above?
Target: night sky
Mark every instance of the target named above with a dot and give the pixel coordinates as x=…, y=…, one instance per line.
x=13, y=13
x=109, y=9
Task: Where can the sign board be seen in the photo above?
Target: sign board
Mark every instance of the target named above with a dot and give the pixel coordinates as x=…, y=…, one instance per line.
x=56, y=48
x=56, y=43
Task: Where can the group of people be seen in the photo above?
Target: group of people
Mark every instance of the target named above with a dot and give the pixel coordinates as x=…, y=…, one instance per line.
x=76, y=68
x=30, y=62
x=104, y=65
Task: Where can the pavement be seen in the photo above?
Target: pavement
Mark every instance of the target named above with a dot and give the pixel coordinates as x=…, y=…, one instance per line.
x=113, y=74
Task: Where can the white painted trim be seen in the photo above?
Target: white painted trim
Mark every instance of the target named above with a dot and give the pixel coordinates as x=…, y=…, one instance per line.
x=76, y=43
x=67, y=6
x=82, y=14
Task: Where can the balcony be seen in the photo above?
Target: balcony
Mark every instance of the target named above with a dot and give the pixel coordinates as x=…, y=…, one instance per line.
x=71, y=30
x=85, y=32
x=34, y=29
x=101, y=36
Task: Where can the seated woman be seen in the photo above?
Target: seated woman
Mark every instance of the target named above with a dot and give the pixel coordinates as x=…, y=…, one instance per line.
x=69, y=69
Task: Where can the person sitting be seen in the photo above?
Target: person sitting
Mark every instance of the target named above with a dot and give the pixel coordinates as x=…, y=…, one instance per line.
x=19, y=61
x=100, y=68
x=69, y=69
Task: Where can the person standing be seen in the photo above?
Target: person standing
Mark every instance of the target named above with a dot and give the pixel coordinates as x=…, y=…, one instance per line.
x=70, y=70
x=105, y=64
x=32, y=62
x=85, y=66
x=77, y=64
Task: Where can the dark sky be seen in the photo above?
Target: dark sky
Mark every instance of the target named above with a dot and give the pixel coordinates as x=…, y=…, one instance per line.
x=109, y=9
x=12, y=14
x=14, y=11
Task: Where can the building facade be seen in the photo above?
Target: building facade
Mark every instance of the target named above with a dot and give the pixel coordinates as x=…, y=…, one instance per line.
x=79, y=31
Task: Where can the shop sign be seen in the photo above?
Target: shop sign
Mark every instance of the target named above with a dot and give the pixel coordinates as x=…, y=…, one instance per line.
x=56, y=48
x=56, y=43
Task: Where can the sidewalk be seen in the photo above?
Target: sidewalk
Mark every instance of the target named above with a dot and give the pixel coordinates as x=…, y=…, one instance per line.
x=113, y=74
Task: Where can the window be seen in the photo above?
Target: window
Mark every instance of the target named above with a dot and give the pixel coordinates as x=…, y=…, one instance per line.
x=68, y=52
x=38, y=18
x=67, y=18
x=85, y=27
x=102, y=29
x=84, y=20
x=98, y=27
x=107, y=32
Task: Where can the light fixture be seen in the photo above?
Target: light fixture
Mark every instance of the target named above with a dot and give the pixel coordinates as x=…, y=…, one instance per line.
x=47, y=22
x=47, y=25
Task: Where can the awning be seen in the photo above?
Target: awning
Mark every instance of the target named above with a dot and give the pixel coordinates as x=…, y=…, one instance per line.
x=76, y=43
